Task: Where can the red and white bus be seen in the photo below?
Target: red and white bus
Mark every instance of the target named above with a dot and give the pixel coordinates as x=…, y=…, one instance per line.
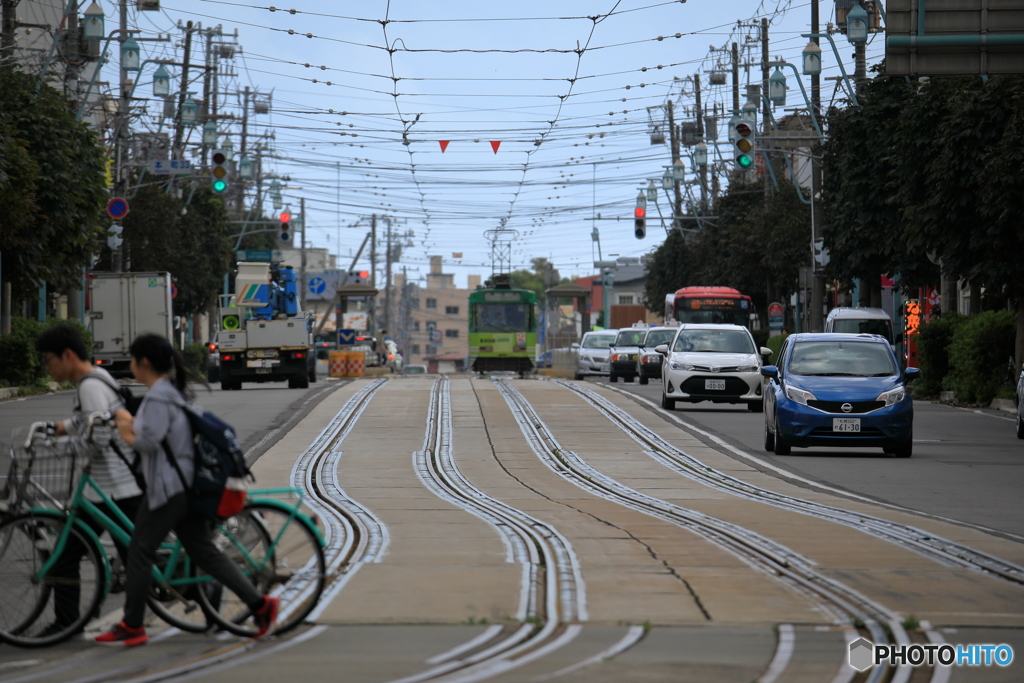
x=723, y=305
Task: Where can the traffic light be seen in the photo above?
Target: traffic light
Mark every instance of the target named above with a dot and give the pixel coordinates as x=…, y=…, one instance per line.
x=286, y=226
x=358, y=277
x=640, y=217
x=743, y=143
x=220, y=171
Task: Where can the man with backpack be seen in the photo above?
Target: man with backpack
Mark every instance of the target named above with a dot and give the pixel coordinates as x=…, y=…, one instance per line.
x=66, y=358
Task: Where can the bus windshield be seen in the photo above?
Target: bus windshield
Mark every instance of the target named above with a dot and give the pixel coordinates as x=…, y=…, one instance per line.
x=502, y=317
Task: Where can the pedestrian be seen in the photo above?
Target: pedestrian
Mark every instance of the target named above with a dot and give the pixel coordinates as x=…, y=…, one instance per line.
x=66, y=358
x=160, y=431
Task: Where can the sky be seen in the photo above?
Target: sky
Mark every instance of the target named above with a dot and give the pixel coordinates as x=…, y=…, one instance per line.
x=364, y=93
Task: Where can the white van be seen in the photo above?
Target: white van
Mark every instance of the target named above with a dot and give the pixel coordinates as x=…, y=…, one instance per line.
x=861, y=321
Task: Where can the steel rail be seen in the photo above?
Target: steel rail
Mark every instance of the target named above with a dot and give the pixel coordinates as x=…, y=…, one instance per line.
x=553, y=595
x=754, y=549
x=942, y=550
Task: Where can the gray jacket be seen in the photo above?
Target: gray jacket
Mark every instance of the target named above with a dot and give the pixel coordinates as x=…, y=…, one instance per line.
x=162, y=414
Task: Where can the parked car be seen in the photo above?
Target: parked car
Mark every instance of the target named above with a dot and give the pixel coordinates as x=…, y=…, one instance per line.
x=861, y=321
x=718, y=363
x=593, y=353
x=838, y=390
x=1020, y=406
x=648, y=364
x=624, y=353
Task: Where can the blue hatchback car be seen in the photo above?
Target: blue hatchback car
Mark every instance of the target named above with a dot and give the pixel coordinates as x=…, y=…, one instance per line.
x=838, y=390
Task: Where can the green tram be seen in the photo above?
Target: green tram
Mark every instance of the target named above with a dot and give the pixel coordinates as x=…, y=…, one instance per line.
x=502, y=329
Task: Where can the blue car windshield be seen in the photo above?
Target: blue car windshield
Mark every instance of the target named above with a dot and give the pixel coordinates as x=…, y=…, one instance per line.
x=841, y=359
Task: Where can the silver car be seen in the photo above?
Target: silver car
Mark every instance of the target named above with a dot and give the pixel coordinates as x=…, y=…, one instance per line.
x=593, y=353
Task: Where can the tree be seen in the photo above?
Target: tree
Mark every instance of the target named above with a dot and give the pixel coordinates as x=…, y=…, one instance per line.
x=538, y=279
x=52, y=187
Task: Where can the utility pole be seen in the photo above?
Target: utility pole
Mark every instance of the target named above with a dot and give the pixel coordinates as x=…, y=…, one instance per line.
x=700, y=134
x=9, y=22
x=120, y=181
x=736, y=79
x=302, y=255
x=245, y=121
x=387, y=283
x=179, y=127
x=765, y=110
x=818, y=279
x=373, y=272
x=673, y=133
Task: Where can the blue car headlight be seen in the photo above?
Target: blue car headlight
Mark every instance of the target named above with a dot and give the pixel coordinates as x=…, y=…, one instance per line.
x=799, y=395
x=893, y=396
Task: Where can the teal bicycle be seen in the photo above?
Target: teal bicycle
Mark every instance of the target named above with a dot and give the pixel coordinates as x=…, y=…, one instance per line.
x=56, y=572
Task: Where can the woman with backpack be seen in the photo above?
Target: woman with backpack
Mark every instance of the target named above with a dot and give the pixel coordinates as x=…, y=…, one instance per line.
x=161, y=431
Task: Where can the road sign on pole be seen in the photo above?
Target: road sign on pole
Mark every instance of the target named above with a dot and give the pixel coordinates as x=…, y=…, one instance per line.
x=117, y=208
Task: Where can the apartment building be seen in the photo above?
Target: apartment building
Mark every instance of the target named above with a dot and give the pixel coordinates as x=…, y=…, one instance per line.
x=433, y=319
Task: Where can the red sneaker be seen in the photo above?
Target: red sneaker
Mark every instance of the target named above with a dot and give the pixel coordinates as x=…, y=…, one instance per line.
x=266, y=616
x=124, y=636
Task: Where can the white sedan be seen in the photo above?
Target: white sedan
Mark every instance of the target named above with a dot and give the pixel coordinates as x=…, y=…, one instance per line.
x=719, y=363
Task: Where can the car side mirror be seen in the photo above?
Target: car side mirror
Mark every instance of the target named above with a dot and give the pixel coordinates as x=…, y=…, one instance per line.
x=910, y=374
x=661, y=348
x=575, y=345
x=765, y=351
x=770, y=371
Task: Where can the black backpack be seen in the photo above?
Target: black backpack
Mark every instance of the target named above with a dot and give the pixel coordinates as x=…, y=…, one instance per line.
x=218, y=457
x=131, y=401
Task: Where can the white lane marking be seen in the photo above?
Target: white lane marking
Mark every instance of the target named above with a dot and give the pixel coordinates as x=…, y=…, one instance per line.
x=796, y=477
x=940, y=674
x=903, y=671
x=846, y=672
x=266, y=437
x=20, y=663
x=978, y=412
x=783, y=653
x=492, y=669
x=632, y=637
x=484, y=637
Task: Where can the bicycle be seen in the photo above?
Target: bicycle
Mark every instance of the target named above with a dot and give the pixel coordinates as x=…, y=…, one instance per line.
x=48, y=551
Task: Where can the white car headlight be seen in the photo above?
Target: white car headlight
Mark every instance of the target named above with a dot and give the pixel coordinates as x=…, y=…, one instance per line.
x=682, y=366
x=893, y=396
x=799, y=395
x=748, y=368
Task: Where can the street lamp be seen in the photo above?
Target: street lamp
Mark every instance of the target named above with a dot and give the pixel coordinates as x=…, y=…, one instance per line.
x=732, y=127
x=245, y=168
x=275, y=194
x=161, y=82
x=678, y=170
x=857, y=24
x=652, y=192
x=812, y=59
x=92, y=27
x=189, y=112
x=749, y=109
x=130, y=55
x=700, y=155
x=228, y=149
x=666, y=180
x=209, y=133
x=777, y=87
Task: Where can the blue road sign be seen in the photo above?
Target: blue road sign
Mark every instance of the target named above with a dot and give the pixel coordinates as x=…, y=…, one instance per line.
x=346, y=337
x=317, y=285
x=117, y=207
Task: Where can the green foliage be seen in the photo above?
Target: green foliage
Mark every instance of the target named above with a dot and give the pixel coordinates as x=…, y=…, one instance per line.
x=761, y=336
x=978, y=355
x=193, y=248
x=20, y=364
x=775, y=343
x=196, y=357
x=933, y=343
x=52, y=187
x=538, y=279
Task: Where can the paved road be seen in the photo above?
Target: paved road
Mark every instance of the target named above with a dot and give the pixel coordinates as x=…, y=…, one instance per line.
x=968, y=464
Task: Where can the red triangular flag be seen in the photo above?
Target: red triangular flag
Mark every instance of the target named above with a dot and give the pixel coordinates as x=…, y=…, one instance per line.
x=495, y=144
x=444, y=145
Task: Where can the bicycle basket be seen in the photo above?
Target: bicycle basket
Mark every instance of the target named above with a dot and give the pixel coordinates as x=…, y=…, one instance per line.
x=42, y=473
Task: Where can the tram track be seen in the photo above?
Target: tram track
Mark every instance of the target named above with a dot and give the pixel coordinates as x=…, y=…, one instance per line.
x=846, y=604
x=552, y=593
x=353, y=537
x=945, y=551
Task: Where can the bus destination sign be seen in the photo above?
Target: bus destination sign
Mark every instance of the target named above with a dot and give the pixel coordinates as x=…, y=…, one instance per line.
x=709, y=304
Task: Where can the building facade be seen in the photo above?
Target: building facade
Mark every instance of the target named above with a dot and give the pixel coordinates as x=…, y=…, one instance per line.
x=434, y=319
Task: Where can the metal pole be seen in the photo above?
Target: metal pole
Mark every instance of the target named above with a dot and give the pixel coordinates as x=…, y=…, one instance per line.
x=245, y=121
x=387, y=283
x=703, y=171
x=765, y=108
x=302, y=252
x=735, y=78
x=677, y=210
x=373, y=273
x=179, y=127
x=120, y=182
x=818, y=281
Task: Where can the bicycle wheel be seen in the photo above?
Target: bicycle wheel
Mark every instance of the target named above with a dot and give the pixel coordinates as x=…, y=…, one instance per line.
x=177, y=601
x=34, y=613
x=282, y=556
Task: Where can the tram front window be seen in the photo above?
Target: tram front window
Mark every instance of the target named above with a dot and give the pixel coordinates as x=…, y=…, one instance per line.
x=503, y=317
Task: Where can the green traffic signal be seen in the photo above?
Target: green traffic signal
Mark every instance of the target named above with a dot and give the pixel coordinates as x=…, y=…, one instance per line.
x=743, y=160
x=219, y=186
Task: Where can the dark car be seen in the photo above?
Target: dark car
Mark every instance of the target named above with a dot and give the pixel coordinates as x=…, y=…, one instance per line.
x=838, y=390
x=1020, y=406
x=648, y=363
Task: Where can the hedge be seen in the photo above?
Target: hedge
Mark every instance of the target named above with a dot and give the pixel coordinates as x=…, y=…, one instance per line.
x=20, y=364
x=933, y=353
x=979, y=355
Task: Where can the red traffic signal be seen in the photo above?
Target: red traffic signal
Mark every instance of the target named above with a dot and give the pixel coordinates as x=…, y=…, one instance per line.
x=640, y=212
x=743, y=129
x=285, y=217
x=364, y=274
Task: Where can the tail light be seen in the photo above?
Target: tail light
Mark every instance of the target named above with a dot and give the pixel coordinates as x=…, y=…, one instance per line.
x=391, y=356
x=212, y=347
x=227, y=356
x=300, y=354
x=102, y=362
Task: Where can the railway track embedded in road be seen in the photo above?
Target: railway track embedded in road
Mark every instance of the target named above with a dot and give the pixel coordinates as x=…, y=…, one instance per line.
x=846, y=604
x=943, y=550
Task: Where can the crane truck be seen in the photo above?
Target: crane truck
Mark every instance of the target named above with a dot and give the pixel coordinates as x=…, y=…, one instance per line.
x=263, y=336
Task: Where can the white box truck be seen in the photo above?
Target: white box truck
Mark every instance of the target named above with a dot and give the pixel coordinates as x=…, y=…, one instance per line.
x=121, y=307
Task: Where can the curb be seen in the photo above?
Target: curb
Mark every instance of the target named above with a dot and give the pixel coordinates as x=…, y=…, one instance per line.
x=1004, y=404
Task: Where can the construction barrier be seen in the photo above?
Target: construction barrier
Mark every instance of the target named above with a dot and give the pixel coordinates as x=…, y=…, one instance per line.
x=356, y=363
x=337, y=365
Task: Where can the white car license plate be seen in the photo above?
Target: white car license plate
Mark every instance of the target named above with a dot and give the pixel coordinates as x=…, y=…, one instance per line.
x=714, y=385
x=845, y=424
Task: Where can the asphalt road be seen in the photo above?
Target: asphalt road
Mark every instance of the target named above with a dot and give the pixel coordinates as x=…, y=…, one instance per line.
x=968, y=464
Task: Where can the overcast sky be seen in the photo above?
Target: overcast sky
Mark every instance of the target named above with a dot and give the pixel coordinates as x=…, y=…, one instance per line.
x=565, y=88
